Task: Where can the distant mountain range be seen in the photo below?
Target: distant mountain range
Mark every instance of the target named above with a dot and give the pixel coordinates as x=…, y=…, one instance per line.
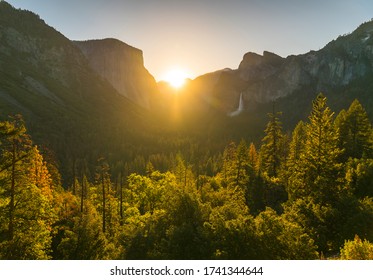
x=342, y=70
x=85, y=99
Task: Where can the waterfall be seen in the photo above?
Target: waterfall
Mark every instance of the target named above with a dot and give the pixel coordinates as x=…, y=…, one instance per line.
x=240, y=108
x=240, y=105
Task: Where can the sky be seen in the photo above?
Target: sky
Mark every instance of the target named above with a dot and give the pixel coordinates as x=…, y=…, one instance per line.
x=201, y=36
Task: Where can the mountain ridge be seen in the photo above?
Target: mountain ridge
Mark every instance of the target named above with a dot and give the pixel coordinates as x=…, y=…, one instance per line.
x=269, y=77
x=68, y=108
x=75, y=104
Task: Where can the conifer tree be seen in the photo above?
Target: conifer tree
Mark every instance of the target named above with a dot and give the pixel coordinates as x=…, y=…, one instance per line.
x=229, y=161
x=271, y=154
x=236, y=165
x=318, y=172
x=355, y=132
x=253, y=157
x=26, y=213
x=16, y=147
x=242, y=168
x=297, y=145
x=103, y=181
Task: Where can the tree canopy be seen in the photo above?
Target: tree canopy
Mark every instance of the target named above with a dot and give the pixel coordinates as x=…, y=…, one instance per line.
x=303, y=194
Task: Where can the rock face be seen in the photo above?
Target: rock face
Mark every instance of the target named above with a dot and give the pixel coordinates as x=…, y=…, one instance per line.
x=268, y=77
x=123, y=66
x=37, y=45
x=254, y=66
x=68, y=108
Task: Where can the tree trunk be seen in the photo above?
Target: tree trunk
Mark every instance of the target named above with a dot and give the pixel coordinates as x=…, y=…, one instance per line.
x=12, y=193
x=121, y=197
x=103, y=203
x=82, y=195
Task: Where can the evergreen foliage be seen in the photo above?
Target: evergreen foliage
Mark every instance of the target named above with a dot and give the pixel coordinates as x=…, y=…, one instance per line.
x=316, y=170
x=357, y=250
x=271, y=150
x=355, y=132
x=301, y=198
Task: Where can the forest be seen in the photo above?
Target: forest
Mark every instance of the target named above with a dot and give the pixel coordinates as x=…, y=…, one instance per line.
x=304, y=194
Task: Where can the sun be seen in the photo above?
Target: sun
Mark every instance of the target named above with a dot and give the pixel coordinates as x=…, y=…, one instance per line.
x=176, y=77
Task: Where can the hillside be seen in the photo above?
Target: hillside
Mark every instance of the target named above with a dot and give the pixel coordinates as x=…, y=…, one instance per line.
x=69, y=109
x=342, y=70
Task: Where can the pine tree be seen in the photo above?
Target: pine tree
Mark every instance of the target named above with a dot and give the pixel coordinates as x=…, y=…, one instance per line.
x=355, y=132
x=16, y=147
x=229, y=161
x=242, y=168
x=26, y=194
x=297, y=143
x=318, y=172
x=253, y=158
x=296, y=149
x=236, y=165
x=183, y=173
x=104, y=184
x=271, y=152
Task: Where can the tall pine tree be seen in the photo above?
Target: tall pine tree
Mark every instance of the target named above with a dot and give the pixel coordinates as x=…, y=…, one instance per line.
x=271, y=152
x=355, y=131
x=26, y=212
x=317, y=173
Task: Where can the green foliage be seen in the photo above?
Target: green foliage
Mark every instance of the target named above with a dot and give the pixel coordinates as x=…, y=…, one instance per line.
x=296, y=199
x=229, y=225
x=32, y=221
x=355, y=132
x=236, y=166
x=279, y=238
x=162, y=218
x=26, y=211
x=355, y=216
x=297, y=143
x=317, y=173
x=359, y=176
x=315, y=219
x=85, y=240
x=357, y=250
x=271, y=151
x=185, y=236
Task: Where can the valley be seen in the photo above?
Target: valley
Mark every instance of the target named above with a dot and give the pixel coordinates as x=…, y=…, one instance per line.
x=272, y=160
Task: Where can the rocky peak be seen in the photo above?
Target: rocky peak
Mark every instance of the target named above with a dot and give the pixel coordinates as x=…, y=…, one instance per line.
x=255, y=66
x=272, y=58
x=268, y=77
x=250, y=59
x=111, y=46
x=122, y=66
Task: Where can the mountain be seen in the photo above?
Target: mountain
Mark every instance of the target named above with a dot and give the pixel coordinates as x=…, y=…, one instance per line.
x=68, y=106
x=85, y=100
x=342, y=70
x=123, y=66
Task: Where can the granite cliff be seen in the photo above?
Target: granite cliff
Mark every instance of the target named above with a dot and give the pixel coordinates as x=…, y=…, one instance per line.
x=68, y=106
x=122, y=66
x=269, y=77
